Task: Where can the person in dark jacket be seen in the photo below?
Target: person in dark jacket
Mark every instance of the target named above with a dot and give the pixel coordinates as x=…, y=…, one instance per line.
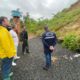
x=49, y=42
x=24, y=36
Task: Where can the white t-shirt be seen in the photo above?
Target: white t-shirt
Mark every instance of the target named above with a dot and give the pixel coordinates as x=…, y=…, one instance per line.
x=15, y=37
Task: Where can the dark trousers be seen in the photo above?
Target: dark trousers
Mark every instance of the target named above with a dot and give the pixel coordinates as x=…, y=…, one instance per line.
x=6, y=67
x=25, y=46
x=48, y=59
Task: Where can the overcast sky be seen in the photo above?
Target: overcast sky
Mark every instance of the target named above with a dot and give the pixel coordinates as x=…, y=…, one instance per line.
x=36, y=8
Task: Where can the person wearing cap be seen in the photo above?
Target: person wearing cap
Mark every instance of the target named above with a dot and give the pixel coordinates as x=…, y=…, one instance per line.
x=7, y=49
x=16, y=42
x=49, y=42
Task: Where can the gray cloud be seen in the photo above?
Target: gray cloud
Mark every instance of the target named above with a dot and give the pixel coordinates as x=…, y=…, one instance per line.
x=36, y=8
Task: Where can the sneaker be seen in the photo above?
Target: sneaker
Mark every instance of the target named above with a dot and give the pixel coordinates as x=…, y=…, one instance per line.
x=17, y=57
x=14, y=64
x=11, y=74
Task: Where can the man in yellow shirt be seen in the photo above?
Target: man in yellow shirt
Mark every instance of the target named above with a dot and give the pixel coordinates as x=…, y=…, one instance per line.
x=7, y=49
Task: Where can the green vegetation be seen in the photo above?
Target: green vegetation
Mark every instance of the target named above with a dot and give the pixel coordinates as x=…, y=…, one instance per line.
x=65, y=18
x=58, y=22
x=72, y=42
x=65, y=24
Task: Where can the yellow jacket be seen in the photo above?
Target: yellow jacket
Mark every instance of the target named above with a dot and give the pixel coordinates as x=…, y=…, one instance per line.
x=7, y=48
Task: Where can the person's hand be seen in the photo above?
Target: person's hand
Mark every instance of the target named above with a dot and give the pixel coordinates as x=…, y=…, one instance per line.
x=51, y=48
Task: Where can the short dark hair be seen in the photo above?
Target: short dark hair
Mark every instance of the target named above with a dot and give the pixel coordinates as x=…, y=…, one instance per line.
x=2, y=19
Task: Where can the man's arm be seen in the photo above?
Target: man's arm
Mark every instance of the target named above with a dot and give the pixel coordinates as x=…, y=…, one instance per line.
x=43, y=40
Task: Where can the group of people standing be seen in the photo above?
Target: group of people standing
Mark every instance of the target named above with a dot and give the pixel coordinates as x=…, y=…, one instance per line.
x=9, y=42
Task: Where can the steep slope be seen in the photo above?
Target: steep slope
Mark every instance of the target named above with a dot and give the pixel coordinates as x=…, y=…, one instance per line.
x=67, y=21
x=63, y=23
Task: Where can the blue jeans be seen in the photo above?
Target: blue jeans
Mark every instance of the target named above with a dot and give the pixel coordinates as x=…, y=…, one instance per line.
x=6, y=67
x=48, y=59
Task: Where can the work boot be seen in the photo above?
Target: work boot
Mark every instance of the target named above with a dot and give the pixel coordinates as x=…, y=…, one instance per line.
x=46, y=68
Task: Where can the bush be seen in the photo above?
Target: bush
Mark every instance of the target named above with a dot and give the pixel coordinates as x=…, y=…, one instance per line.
x=72, y=42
